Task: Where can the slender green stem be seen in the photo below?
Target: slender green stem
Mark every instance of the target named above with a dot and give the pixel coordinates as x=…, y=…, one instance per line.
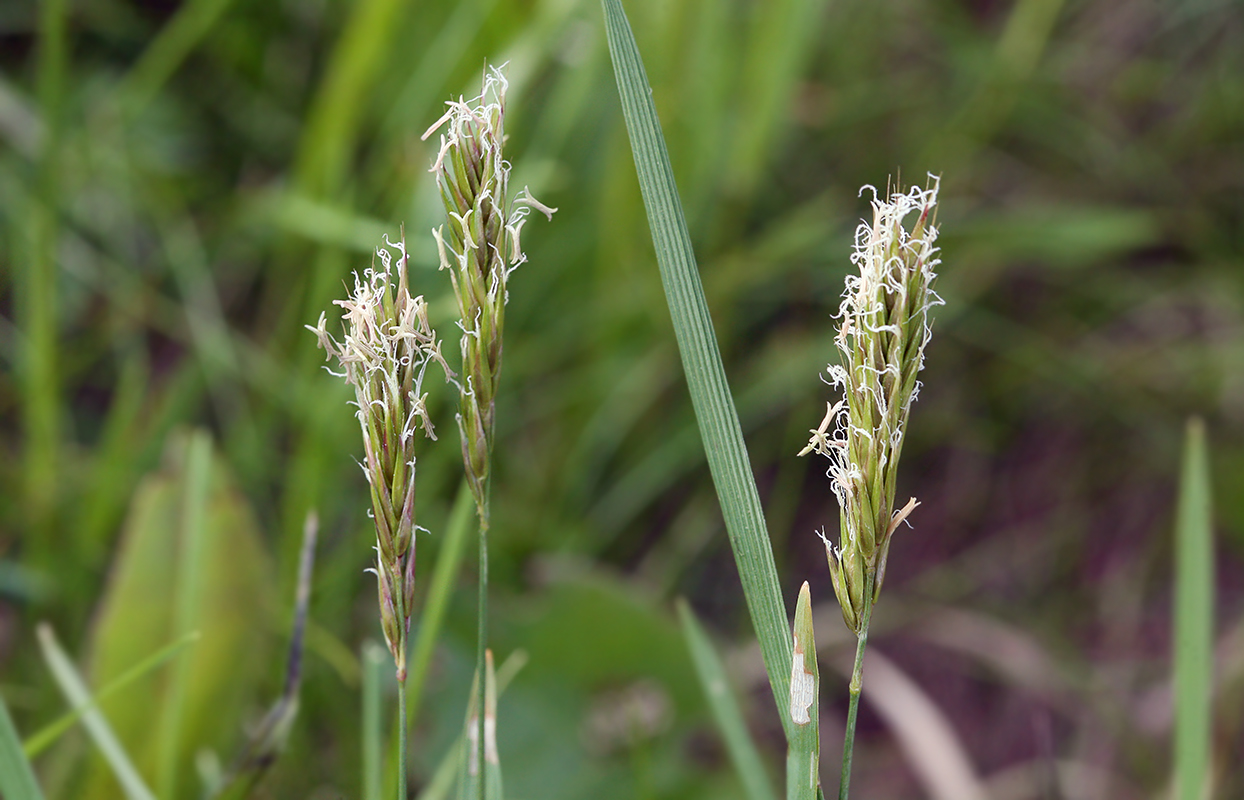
x=480, y=665
x=401, y=738
x=857, y=685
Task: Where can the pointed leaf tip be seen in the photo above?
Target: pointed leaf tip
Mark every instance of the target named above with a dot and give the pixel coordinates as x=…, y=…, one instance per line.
x=803, y=672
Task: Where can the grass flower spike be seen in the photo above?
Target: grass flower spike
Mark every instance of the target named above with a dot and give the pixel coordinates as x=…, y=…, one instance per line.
x=884, y=329
x=479, y=244
x=387, y=348
x=883, y=332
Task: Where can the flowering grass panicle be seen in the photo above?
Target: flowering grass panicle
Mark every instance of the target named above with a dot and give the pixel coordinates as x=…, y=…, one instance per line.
x=479, y=245
x=388, y=346
x=884, y=329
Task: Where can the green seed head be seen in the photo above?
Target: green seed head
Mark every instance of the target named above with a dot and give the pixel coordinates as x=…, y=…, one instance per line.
x=479, y=245
x=387, y=347
x=883, y=332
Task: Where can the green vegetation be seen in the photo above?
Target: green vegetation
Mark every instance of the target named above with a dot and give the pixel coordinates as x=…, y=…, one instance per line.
x=184, y=186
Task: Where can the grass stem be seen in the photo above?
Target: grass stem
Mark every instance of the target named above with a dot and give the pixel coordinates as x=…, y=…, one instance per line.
x=401, y=737
x=481, y=650
x=857, y=686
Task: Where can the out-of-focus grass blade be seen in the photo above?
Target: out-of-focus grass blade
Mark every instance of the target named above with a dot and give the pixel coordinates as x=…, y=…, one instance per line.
x=157, y=590
x=268, y=739
x=780, y=40
x=186, y=602
x=697, y=344
x=45, y=736
x=375, y=658
x=934, y=751
x=332, y=124
x=442, y=782
x=1194, y=620
x=36, y=295
x=803, y=780
x=17, y=779
x=725, y=708
x=76, y=692
x=433, y=614
x=193, y=20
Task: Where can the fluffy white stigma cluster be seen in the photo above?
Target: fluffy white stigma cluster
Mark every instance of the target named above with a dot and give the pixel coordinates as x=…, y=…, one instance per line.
x=882, y=336
x=474, y=179
x=387, y=347
x=479, y=244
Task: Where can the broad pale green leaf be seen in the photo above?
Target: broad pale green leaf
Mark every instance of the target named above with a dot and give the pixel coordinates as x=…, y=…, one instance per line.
x=178, y=569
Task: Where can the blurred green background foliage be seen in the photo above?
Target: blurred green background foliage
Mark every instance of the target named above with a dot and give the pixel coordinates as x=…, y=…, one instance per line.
x=183, y=186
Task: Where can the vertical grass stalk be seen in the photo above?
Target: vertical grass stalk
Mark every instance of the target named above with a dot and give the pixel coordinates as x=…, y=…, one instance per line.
x=1194, y=621
x=855, y=688
x=481, y=652
x=885, y=327
x=401, y=739
x=387, y=348
x=479, y=245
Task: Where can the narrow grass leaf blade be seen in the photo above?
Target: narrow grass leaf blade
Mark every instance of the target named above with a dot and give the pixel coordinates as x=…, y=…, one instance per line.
x=48, y=734
x=76, y=692
x=697, y=344
x=803, y=780
x=781, y=37
x=1194, y=620
x=17, y=779
x=725, y=708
